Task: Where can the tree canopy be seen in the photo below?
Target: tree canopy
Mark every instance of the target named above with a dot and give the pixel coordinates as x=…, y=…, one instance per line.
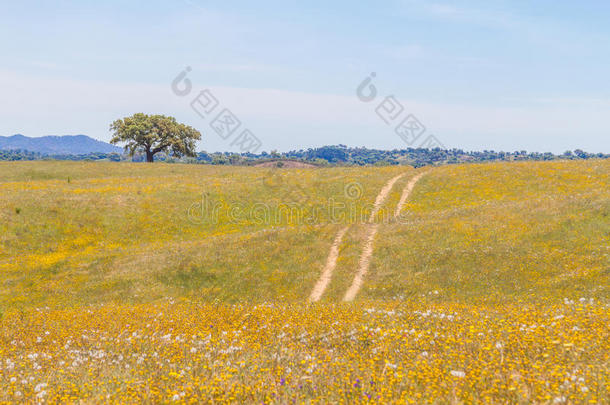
x=153, y=134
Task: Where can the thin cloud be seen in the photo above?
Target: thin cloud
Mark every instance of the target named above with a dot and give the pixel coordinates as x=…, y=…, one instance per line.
x=480, y=16
x=44, y=102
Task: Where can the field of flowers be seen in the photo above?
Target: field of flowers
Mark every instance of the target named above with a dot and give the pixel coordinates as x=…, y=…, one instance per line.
x=278, y=353
x=81, y=233
x=117, y=287
x=526, y=232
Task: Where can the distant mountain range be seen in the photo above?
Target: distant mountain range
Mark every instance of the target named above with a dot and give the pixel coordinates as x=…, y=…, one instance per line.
x=57, y=145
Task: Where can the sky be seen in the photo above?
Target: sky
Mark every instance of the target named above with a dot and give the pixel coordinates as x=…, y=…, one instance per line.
x=477, y=75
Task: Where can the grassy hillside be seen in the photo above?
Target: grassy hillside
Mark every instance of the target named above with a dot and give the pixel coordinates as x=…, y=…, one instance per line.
x=491, y=286
x=80, y=233
x=501, y=232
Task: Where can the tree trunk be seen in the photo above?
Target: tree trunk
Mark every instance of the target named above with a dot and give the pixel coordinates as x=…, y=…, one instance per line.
x=149, y=156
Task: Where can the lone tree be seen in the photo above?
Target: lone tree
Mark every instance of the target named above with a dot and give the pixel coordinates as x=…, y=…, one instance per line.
x=153, y=134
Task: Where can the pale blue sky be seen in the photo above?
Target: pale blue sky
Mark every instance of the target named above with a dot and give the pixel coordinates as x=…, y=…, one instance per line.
x=503, y=75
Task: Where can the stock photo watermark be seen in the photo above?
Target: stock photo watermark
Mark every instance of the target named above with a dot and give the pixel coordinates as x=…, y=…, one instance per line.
x=221, y=119
x=346, y=209
x=392, y=113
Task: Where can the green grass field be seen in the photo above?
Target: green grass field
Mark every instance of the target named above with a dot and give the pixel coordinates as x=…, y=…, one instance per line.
x=493, y=285
x=79, y=233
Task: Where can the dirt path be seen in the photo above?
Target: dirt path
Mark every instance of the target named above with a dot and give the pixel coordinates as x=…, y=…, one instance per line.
x=383, y=194
x=405, y=193
x=327, y=272
x=333, y=255
x=363, y=263
x=367, y=251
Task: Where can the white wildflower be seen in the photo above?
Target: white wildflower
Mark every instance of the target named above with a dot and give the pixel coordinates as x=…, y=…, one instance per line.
x=39, y=387
x=458, y=373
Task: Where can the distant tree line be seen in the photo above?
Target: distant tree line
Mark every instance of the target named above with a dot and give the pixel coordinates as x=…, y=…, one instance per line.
x=324, y=156
x=344, y=156
x=21, y=154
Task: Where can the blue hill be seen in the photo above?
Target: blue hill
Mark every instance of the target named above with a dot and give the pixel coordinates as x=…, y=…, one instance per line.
x=57, y=145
